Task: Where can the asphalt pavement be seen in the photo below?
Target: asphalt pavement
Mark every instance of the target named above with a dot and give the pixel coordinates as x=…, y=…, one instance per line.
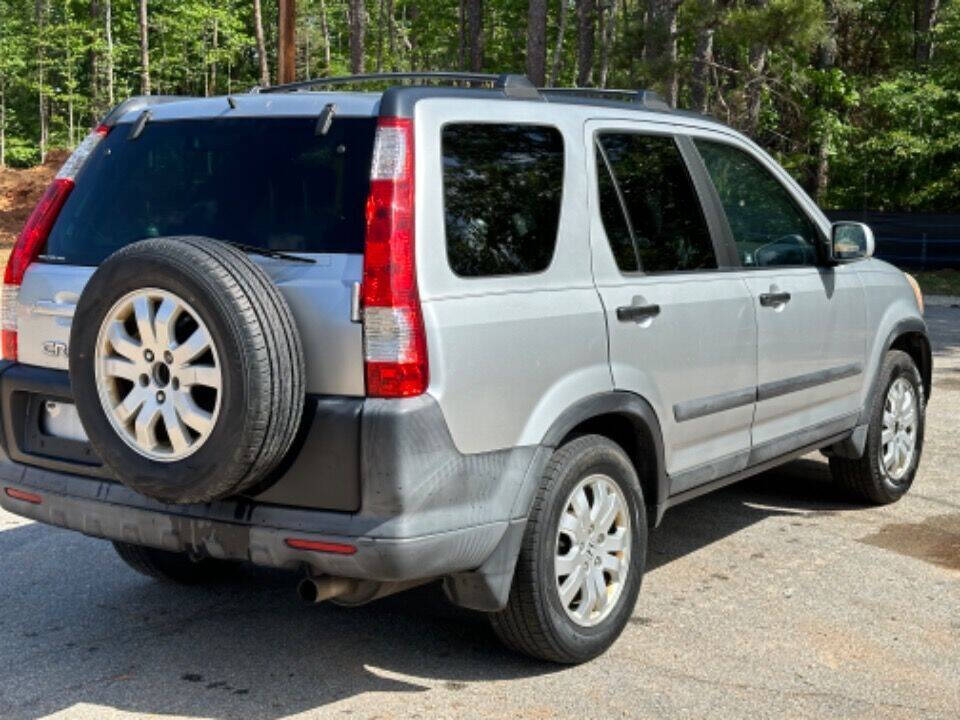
x=774, y=598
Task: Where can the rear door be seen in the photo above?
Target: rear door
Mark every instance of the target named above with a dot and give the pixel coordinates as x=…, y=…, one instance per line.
x=271, y=182
x=681, y=327
x=811, y=317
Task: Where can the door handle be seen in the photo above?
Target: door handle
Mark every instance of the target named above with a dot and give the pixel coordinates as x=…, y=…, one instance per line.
x=637, y=313
x=774, y=298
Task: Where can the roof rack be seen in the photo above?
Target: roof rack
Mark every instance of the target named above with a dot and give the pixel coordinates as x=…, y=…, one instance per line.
x=649, y=99
x=512, y=85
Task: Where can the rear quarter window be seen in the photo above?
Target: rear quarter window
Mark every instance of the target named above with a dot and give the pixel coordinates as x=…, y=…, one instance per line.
x=502, y=191
x=269, y=182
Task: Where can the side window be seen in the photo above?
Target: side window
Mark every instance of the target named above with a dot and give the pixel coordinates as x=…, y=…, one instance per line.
x=502, y=190
x=649, y=207
x=768, y=227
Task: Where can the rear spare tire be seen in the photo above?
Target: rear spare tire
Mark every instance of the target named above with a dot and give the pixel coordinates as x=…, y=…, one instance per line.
x=186, y=368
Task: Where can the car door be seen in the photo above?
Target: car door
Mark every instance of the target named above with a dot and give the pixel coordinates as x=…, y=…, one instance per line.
x=682, y=331
x=810, y=315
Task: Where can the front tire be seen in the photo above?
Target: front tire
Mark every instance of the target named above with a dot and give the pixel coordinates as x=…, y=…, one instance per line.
x=894, y=439
x=582, y=558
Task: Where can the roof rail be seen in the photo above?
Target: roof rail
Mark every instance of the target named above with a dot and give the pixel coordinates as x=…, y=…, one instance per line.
x=647, y=98
x=517, y=86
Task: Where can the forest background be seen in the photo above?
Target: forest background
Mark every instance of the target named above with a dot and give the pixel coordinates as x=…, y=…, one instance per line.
x=859, y=99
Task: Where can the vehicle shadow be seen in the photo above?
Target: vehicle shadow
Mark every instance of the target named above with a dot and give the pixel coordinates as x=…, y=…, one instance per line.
x=802, y=487
x=78, y=627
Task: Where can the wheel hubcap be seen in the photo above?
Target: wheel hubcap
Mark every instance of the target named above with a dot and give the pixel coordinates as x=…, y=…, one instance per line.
x=592, y=556
x=898, y=438
x=158, y=374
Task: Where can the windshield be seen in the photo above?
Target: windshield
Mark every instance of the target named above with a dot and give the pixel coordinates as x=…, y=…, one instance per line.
x=268, y=182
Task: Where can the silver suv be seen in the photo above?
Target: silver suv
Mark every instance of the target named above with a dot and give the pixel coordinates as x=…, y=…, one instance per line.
x=478, y=332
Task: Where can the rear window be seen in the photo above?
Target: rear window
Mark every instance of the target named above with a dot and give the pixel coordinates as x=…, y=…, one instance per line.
x=502, y=189
x=268, y=182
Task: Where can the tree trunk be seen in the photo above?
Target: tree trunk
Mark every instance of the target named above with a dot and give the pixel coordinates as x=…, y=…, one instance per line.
x=537, y=42
x=392, y=34
x=286, y=41
x=325, y=31
x=411, y=37
x=358, y=22
x=826, y=59
x=462, y=37
x=586, y=30
x=660, y=44
x=558, y=48
x=261, y=44
x=213, y=65
x=3, y=123
x=608, y=29
x=924, y=23
x=475, y=34
x=757, y=61
x=702, y=60
x=380, y=16
x=40, y=8
x=94, y=64
x=108, y=29
x=144, y=51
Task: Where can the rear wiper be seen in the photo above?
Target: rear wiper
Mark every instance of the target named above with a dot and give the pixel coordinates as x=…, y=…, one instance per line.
x=267, y=252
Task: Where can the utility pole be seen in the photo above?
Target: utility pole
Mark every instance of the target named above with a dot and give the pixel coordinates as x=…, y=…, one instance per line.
x=287, y=42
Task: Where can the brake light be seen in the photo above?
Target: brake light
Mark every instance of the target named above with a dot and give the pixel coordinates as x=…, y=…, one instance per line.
x=395, y=347
x=34, y=236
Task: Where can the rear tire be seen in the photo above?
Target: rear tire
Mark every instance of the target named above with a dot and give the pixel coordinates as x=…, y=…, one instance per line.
x=538, y=620
x=173, y=567
x=869, y=478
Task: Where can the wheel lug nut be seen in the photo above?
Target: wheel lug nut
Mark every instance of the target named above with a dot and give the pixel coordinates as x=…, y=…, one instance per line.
x=161, y=396
x=148, y=355
x=168, y=357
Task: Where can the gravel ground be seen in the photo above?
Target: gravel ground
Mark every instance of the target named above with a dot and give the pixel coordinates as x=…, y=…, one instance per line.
x=773, y=598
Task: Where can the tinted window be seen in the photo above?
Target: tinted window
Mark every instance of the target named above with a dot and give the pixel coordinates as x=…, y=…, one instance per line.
x=502, y=187
x=768, y=227
x=655, y=222
x=267, y=182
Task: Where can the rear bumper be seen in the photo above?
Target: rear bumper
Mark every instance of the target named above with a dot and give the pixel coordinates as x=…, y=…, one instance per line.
x=106, y=510
x=422, y=508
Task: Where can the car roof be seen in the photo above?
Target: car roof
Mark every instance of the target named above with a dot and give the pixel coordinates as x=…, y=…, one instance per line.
x=399, y=98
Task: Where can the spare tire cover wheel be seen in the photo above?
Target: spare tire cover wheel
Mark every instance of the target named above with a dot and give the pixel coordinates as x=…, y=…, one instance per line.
x=186, y=369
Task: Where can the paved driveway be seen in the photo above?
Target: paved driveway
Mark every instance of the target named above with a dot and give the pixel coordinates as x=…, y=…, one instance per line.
x=773, y=598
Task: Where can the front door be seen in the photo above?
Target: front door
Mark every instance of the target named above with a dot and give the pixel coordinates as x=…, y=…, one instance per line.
x=682, y=329
x=810, y=316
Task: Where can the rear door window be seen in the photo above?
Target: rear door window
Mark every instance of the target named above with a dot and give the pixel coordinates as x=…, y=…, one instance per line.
x=502, y=192
x=650, y=209
x=269, y=182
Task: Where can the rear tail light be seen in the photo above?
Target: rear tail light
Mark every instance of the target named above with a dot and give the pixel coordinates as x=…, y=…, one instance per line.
x=395, y=347
x=35, y=234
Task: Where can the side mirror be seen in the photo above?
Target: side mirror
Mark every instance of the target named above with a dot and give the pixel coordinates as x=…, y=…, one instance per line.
x=851, y=241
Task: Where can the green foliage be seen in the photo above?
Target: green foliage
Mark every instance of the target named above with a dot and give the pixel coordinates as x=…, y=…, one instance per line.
x=868, y=125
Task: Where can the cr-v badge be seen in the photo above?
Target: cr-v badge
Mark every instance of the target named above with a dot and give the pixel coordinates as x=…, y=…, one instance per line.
x=55, y=348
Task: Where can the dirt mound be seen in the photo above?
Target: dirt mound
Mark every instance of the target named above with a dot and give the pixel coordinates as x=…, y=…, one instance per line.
x=19, y=192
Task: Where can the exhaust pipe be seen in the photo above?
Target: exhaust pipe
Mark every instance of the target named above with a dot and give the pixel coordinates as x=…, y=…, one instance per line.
x=313, y=590
x=350, y=592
